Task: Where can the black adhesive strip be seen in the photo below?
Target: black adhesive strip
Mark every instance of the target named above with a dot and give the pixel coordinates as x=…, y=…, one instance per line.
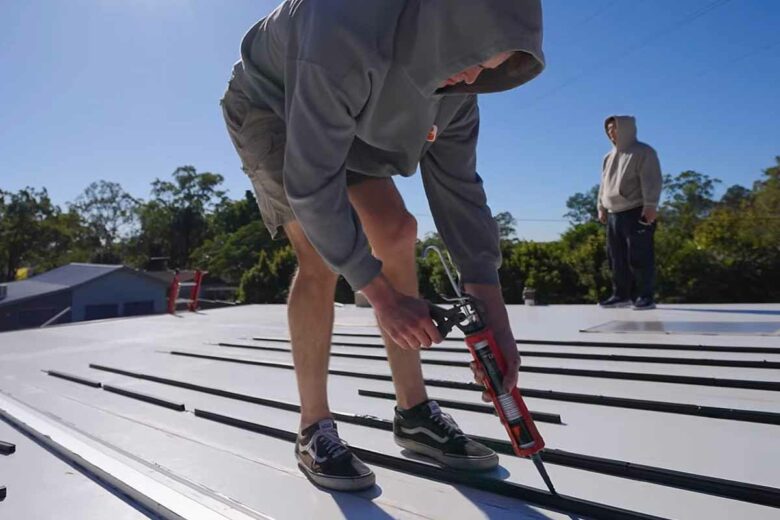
x=500, y=487
x=179, y=407
x=6, y=448
x=729, y=363
x=200, y=388
x=711, y=412
x=552, y=418
x=742, y=491
x=732, y=489
x=770, y=386
x=2, y=493
x=607, y=344
x=438, y=348
x=74, y=379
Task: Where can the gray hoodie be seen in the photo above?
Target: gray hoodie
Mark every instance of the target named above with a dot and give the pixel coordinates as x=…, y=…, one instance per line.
x=631, y=174
x=357, y=84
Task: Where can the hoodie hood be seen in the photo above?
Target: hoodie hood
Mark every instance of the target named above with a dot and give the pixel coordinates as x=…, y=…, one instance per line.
x=437, y=39
x=626, y=130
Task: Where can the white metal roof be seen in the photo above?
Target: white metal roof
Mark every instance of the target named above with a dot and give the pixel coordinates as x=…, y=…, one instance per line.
x=629, y=407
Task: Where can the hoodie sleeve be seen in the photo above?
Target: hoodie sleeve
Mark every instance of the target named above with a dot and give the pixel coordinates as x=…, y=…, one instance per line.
x=457, y=198
x=321, y=124
x=599, y=204
x=650, y=179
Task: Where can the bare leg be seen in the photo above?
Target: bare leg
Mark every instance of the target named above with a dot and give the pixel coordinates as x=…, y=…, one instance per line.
x=392, y=233
x=310, y=318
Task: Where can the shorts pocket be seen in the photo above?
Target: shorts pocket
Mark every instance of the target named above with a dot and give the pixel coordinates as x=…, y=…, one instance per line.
x=261, y=133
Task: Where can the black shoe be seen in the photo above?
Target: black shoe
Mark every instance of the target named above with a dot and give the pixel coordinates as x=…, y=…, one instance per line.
x=424, y=429
x=615, y=302
x=644, y=304
x=328, y=462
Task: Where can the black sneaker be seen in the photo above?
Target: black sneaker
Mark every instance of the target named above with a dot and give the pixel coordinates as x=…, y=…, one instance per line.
x=615, y=302
x=424, y=429
x=644, y=304
x=327, y=460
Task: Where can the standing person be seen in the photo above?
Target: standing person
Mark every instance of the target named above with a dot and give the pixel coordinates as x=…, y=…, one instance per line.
x=330, y=99
x=628, y=200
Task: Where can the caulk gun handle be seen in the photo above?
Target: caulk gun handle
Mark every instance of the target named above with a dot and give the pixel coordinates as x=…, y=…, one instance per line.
x=441, y=318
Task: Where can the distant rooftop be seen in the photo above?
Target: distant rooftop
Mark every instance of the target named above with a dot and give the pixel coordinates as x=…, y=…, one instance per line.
x=75, y=273
x=61, y=278
x=23, y=289
x=192, y=416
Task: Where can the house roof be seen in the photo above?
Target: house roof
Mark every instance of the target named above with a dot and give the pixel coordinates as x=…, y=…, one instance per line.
x=24, y=289
x=63, y=278
x=680, y=425
x=75, y=274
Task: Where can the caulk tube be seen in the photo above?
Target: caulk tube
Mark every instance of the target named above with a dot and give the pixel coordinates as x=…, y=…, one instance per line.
x=515, y=416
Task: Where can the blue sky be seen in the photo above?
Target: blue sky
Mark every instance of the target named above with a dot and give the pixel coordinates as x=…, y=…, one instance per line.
x=127, y=90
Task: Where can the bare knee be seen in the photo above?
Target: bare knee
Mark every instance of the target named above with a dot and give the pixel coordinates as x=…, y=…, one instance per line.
x=313, y=270
x=398, y=237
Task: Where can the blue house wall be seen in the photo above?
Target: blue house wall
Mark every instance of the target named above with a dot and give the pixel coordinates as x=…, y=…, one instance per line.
x=34, y=311
x=127, y=291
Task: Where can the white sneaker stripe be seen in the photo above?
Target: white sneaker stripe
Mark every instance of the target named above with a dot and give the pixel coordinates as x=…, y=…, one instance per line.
x=426, y=431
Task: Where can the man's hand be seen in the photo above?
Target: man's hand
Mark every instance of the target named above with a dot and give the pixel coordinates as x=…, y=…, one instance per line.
x=602, y=216
x=405, y=319
x=497, y=320
x=650, y=214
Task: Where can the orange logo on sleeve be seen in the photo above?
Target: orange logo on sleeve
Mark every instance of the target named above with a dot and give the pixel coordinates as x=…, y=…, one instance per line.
x=432, y=133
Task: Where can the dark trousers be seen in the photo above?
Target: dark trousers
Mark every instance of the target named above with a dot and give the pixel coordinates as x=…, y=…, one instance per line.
x=631, y=254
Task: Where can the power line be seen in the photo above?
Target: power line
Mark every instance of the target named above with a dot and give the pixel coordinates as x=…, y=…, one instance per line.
x=428, y=215
x=690, y=18
x=743, y=217
x=742, y=57
x=587, y=20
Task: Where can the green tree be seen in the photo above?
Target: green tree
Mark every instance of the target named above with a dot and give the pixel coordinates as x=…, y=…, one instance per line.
x=109, y=213
x=433, y=280
x=735, y=196
x=189, y=188
x=229, y=255
x=543, y=266
x=35, y=233
x=741, y=241
x=69, y=241
x=268, y=281
x=175, y=221
x=231, y=215
x=583, y=207
x=688, y=200
x=507, y=226
x=257, y=284
x=586, y=253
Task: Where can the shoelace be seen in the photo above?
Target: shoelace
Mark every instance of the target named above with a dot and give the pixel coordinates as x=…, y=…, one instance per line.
x=448, y=424
x=329, y=442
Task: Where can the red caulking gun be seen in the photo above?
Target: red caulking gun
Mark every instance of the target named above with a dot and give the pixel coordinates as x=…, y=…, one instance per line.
x=514, y=415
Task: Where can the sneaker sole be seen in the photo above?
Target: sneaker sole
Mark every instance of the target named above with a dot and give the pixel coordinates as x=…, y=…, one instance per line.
x=466, y=463
x=648, y=308
x=338, y=483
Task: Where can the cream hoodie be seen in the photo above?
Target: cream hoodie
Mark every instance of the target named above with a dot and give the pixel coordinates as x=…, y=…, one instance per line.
x=631, y=174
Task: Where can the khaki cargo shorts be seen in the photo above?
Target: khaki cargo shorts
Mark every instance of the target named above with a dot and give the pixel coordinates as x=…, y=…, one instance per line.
x=259, y=137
